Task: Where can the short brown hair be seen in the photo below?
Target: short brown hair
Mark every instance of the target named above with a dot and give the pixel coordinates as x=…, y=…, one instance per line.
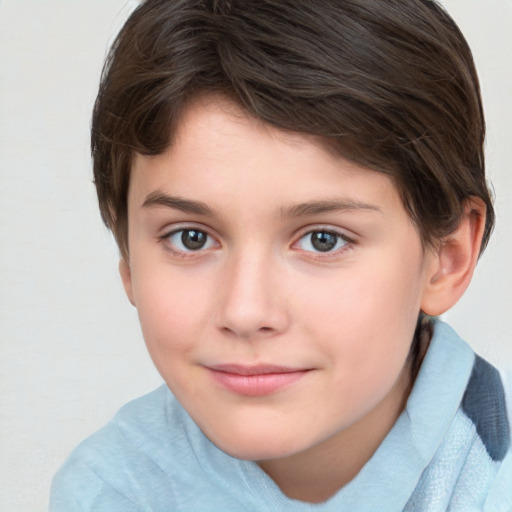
x=389, y=84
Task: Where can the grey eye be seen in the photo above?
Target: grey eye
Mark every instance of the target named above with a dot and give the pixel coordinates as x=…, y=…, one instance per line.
x=189, y=240
x=193, y=239
x=321, y=241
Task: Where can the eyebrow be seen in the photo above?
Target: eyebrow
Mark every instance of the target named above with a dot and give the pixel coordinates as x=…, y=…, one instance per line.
x=157, y=198
x=327, y=206
x=160, y=199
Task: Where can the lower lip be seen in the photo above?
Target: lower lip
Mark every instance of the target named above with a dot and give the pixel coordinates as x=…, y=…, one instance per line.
x=256, y=385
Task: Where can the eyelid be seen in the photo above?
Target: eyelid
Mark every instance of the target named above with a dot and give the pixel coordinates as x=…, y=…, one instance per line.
x=173, y=228
x=327, y=228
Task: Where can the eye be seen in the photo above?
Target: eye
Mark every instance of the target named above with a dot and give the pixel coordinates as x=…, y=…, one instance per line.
x=322, y=241
x=189, y=240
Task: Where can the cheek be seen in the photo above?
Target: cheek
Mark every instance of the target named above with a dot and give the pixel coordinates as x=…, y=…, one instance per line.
x=172, y=309
x=360, y=303
x=365, y=319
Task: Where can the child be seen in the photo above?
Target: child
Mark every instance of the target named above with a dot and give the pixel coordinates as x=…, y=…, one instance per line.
x=297, y=189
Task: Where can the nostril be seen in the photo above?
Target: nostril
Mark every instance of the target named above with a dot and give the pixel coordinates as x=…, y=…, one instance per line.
x=262, y=331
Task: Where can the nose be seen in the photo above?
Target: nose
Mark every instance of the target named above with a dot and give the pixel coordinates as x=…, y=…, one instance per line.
x=251, y=301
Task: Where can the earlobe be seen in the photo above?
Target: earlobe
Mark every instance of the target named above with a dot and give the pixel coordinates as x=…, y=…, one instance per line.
x=453, y=263
x=126, y=277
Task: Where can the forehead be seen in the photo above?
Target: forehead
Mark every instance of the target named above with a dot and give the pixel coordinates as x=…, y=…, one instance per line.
x=222, y=155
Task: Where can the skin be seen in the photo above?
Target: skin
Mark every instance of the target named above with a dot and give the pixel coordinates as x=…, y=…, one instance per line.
x=258, y=292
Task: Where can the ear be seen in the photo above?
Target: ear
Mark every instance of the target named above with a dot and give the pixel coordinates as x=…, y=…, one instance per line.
x=452, y=264
x=126, y=277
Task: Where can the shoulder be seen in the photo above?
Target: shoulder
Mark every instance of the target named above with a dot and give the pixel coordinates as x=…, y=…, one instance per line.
x=471, y=467
x=100, y=472
x=500, y=494
x=506, y=377
x=486, y=398
x=138, y=427
x=485, y=404
x=484, y=391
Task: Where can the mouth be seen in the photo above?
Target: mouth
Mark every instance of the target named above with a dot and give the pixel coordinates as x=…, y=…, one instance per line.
x=258, y=380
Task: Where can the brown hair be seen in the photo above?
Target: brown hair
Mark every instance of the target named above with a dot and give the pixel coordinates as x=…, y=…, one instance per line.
x=388, y=84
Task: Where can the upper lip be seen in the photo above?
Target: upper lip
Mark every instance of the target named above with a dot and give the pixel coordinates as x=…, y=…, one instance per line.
x=258, y=369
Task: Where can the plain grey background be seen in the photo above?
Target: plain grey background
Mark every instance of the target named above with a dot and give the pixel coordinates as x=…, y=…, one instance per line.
x=70, y=346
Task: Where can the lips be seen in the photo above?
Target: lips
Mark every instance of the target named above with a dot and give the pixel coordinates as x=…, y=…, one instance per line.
x=258, y=380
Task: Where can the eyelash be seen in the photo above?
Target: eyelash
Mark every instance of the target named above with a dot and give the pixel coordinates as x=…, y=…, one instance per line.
x=165, y=240
x=348, y=243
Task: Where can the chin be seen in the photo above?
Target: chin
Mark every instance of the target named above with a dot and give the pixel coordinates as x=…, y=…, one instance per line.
x=250, y=453
x=258, y=446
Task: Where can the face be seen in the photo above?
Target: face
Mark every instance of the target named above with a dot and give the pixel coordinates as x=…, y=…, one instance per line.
x=278, y=286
